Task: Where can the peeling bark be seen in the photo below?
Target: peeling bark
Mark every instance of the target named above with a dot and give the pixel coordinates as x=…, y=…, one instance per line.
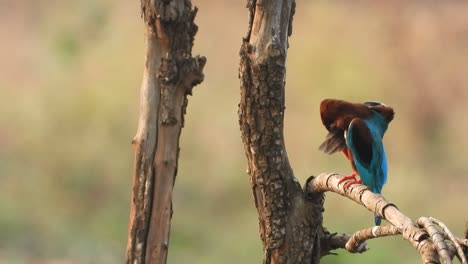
x=289, y=220
x=169, y=76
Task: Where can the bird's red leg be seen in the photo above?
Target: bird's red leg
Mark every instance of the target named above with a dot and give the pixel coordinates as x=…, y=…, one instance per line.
x=354, y=181
x=351, y=177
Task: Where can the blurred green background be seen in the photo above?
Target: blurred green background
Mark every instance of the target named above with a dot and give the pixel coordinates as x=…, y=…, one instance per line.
x=69, y=86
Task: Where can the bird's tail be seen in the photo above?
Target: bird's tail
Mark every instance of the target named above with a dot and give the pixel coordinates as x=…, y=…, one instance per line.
x=377, y=219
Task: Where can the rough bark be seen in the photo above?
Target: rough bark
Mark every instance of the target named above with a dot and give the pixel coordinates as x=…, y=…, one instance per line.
x=170, y=74
x=290, y=221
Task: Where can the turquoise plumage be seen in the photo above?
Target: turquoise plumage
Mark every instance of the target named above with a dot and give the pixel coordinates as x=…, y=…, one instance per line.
x=357, y=130
x=369, y=157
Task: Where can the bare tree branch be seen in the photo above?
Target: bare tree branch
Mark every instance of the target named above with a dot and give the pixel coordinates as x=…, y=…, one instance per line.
x=329, y=242
x=437, y=237
x=418, y=238
x=451, y=237
x=169, y=76
x=358, y=238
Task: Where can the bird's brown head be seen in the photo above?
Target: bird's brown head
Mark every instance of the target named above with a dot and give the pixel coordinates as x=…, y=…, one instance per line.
x=385, y=111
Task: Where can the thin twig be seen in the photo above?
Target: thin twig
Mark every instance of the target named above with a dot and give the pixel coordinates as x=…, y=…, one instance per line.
x=329, y=242
x=463, y=243
x=358, y=238
x=454, y=240
x=437, y=238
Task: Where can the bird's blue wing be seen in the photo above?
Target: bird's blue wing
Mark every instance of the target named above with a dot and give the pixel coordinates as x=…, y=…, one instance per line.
x=383, y=178
x=359, y=140
x=365, y=143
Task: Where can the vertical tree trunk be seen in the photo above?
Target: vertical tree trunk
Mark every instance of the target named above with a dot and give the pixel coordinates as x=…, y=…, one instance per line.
x=169, y=75
x=290, y=222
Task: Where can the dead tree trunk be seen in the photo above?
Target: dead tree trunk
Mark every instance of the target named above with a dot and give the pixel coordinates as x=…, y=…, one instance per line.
x=170, y=74
x=289, y=222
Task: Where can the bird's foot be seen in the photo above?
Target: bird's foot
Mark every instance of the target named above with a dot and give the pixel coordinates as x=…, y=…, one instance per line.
x=345, y=178
x=353, y=179
x=346, y=186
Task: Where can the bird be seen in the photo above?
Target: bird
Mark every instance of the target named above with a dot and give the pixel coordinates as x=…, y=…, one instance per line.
x=357, y=129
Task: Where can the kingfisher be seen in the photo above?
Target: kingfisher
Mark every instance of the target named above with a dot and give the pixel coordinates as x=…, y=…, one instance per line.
x=357, y=129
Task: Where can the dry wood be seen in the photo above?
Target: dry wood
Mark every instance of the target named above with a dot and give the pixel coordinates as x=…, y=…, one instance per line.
x=356, y=241
x=437, y=237
x=289, y=221
x=452, y=238
x=169, y=76
x=419, y=238
x=329, y=242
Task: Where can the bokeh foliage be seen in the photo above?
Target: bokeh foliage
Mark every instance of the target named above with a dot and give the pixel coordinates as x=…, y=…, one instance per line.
x=70, y=88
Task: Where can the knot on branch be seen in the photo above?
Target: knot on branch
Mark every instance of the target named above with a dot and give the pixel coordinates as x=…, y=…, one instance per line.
x=172, y=18
x=169, y=10
x=275, y=50
x=167, y=73
x=316, y=197
x=193, y=73
x=162, y=10
x=168, y=76
x=331, y=241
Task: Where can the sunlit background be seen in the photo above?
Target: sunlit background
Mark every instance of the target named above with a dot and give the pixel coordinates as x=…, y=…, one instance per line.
x=69, y=86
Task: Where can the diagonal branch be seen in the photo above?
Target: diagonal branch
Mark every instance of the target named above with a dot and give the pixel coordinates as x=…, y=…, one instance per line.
x=357, y=239
x=437, y=237
x=417, y=237
x=452, y=238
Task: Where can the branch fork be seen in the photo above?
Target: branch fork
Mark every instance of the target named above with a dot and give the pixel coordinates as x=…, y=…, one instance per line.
x=423, y=235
